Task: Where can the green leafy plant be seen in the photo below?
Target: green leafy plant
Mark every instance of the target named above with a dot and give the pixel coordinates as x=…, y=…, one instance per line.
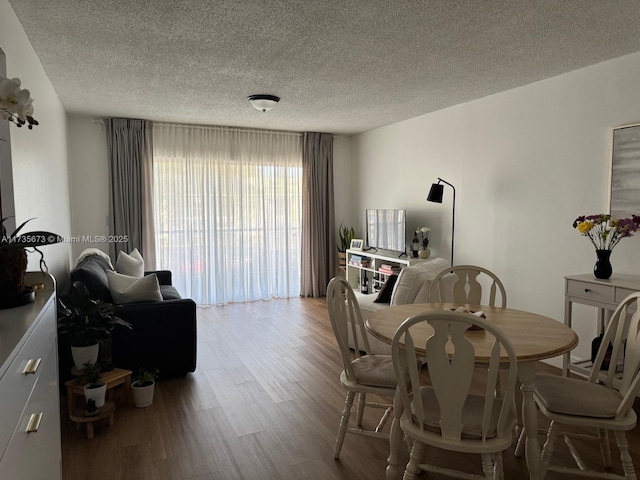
x=90, y=375
x=145, y=377
x=346, y=235
x=85, y=320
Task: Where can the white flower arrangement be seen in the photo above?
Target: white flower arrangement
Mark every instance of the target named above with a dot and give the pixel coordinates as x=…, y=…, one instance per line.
x=16, y=104
x=424, y=235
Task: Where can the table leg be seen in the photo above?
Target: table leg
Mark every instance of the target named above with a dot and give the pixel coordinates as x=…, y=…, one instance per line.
x=527, y=373
x=394, y=470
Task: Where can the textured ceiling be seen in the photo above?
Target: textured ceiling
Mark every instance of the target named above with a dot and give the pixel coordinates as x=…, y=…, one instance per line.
x=340, y=66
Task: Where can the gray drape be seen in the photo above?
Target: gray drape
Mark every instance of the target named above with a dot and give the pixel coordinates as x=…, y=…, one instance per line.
x=130, y=148
x=318, y=252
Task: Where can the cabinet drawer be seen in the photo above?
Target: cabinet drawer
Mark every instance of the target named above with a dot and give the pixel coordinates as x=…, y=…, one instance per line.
x=15, y=385
x=593, y=291
x=622, y=293
x=32, y=456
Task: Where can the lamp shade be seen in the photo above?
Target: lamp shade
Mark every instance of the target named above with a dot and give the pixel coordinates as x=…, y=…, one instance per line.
x=263, y=102
x=435, y=193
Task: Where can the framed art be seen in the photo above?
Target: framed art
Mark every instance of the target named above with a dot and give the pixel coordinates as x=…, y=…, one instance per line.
x=356, y=244
x=624, y=193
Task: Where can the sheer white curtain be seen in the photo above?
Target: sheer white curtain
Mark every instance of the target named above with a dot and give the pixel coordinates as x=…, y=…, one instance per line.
x=227, y=209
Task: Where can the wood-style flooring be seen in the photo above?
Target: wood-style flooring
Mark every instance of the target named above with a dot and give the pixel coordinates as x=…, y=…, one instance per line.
x=264, y=403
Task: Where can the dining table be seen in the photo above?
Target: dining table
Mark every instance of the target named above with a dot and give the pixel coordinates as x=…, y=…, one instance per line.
x=534, y=337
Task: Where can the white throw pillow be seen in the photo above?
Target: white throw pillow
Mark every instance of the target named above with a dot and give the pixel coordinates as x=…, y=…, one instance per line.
x=130, y=263
x=128, y=289
x=416, y=279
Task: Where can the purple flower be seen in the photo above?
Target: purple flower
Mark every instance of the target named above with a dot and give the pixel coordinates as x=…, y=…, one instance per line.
x=605, y=232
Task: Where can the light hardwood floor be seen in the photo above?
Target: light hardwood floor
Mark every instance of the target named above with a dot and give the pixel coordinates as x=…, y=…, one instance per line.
x=264, y=403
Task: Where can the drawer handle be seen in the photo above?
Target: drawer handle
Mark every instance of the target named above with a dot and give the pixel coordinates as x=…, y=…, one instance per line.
x=587, y=290
x=32, y=366
x=34, y=422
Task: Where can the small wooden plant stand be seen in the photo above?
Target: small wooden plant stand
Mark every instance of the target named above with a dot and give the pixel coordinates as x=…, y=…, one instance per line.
x=78, y=415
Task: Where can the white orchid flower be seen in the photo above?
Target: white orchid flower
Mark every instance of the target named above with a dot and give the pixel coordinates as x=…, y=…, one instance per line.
x=16, y=104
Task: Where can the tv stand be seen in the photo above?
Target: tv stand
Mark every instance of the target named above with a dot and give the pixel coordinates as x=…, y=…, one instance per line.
x=360, y=263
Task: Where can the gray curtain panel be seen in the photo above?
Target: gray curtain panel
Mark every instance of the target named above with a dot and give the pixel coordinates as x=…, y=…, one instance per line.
x=129, y=143
x=319, y=259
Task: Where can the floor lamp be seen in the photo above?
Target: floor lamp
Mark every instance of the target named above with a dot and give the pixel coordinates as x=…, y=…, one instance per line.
x=435, y=195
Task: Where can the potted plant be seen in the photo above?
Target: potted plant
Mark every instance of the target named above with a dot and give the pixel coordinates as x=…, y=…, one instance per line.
x=13, y=262
x=85, y=321
x=346, y=235
x=143, y=387
x=94, y=388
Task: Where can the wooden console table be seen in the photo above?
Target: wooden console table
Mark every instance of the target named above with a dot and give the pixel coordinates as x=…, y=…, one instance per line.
x=605, y=295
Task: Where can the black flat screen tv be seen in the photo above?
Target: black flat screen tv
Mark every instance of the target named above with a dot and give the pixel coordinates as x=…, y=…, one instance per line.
x=386, y=229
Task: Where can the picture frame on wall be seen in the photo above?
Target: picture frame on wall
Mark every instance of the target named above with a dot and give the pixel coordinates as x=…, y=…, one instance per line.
x=357, y=244
x=624, y=188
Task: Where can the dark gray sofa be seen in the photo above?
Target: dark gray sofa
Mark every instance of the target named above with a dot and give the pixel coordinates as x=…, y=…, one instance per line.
x=164, y=332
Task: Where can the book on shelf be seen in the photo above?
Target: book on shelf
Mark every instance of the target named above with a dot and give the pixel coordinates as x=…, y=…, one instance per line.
x=388, y=271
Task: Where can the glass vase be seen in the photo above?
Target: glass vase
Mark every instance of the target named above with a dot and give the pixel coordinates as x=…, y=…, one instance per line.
x=602, y=268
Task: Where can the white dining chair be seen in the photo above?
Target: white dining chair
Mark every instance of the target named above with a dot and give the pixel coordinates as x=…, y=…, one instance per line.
x=604, y=401
x=473, y=285
x=470, y=285
x=442, y=412
x=363, y=372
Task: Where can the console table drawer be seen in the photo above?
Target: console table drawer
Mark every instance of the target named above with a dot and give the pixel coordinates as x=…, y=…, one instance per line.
x=591, y=291
x=622, y=293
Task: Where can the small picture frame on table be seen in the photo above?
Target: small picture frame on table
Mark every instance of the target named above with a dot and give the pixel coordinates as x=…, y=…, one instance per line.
x=356, y=244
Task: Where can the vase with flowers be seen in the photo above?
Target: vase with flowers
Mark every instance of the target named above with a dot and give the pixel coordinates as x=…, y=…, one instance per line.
x=424, y=251
x=605, y=232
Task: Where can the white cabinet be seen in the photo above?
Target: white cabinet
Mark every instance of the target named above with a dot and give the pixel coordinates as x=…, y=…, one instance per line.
x=30, y=444
x=605, y=295
x=361, y=263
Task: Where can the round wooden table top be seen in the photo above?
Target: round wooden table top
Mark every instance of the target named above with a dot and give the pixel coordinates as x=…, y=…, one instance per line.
x=534, y=337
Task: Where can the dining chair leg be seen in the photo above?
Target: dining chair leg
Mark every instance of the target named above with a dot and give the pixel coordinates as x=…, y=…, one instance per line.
x=497, y=460
x=413, y=467
x=605, y=449
x=520, y=443
x=362, y=397
x=488, y=467
x=547, y=449
x=627, y=463
x=344, y=424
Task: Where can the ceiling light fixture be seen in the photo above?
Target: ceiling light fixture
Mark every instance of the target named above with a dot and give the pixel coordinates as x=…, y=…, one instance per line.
x=263, y=102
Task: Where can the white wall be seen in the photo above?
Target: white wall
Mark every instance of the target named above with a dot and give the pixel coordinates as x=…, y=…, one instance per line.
x=39, y=156
x=525, y=164
x=343, y=184
x=89, y=178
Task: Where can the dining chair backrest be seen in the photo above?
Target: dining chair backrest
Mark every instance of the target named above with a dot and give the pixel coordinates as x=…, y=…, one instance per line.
x=620, y=350
x=345, y=316
x=471, y=285
x=450, y=359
